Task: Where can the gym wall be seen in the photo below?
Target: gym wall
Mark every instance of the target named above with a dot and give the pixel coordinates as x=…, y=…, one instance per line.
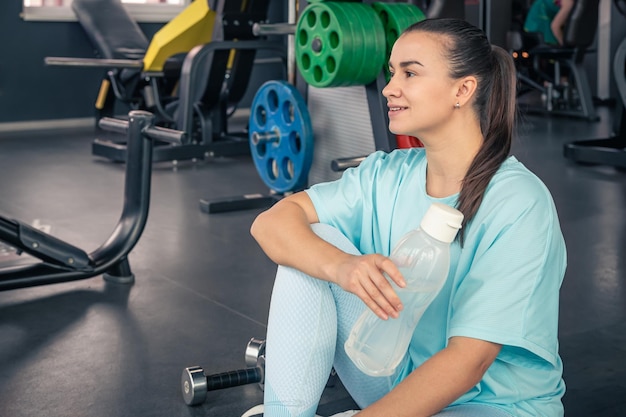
x=29, y=90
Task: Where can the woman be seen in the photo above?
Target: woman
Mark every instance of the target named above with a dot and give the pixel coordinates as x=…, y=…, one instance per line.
x=487, y=345
x=548, y=17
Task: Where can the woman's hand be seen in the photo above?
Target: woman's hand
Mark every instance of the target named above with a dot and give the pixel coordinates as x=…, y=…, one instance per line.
x=364, y=276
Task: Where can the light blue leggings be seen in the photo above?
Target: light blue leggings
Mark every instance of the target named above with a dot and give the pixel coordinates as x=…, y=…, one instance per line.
x=309, y=322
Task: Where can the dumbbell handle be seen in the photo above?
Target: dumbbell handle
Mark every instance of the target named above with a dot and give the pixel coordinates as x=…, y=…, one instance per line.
x=234, y=378
x=195, y=384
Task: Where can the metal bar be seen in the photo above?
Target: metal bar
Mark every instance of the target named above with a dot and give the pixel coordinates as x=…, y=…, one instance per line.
x=165, y=135
x=153, y=132
x=341, y=164
x=267, y=29
x=384, y=140
x=93, y=62
x=114, y=125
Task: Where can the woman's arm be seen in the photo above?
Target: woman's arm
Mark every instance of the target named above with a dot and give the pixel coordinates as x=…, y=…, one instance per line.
x=439, y=381
x=284, y=233
x=558, y=22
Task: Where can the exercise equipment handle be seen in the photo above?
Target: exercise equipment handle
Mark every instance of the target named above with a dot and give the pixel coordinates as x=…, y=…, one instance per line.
x=259, y=29
x=234, y=378
x=153, y=132
x=163, y=134
x=93, y=62
x=341, y=164
x=113, y=125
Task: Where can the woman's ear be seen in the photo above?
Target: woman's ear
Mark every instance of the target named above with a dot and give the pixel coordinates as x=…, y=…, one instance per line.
x=466, y=87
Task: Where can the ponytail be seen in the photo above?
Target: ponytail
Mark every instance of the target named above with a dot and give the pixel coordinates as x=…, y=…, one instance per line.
x=494, y=102
x=497, y=120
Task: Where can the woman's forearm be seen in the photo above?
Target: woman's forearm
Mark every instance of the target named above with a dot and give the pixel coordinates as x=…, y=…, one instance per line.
x=439, y=381
x=284, y=233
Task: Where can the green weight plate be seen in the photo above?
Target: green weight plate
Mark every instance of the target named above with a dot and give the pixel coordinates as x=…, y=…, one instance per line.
x=371, y=33
x=366, y=43
x=321, y=45
x=281, y=136
x=349, y=49
x=396, y=17
x=339, y=44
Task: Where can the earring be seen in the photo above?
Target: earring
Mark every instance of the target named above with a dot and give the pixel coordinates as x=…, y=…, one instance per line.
x=457, y=105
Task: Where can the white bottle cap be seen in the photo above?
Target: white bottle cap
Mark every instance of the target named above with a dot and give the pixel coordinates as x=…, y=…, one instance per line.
x=442, y=222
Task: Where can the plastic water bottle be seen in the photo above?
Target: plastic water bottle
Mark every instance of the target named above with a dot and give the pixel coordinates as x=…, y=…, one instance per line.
x=377, y=346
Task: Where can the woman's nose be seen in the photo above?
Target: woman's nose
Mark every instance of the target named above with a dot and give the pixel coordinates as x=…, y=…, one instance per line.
x=390, y=90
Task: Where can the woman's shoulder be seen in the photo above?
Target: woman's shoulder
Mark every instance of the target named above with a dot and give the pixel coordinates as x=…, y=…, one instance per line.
x=398, y=157
x=516, y=195
x=516, y=183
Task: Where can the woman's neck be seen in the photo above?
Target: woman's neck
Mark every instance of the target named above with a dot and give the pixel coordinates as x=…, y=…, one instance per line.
x=448, y=163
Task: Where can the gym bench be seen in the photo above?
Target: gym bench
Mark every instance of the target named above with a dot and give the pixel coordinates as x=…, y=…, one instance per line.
x=60, y=261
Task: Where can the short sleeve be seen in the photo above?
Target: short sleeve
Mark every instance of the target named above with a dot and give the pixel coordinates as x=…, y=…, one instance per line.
x=377, y=202
x=343, y=203
x=515, y=257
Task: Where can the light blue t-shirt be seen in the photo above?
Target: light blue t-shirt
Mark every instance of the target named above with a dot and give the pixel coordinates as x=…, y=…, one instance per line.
x=503, y=285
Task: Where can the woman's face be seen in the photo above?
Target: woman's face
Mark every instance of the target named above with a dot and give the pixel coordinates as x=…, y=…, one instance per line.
x=420, y=95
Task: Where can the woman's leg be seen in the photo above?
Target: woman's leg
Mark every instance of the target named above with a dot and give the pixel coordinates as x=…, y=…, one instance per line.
x=309, y=322
x=363, y=388
x=472, y=410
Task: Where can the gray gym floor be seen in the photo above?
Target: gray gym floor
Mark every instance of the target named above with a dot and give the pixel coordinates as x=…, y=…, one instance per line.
x=202, y=286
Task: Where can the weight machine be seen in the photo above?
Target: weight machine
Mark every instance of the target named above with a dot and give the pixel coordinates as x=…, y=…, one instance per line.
x=191, y=76
x=540, y=66
x=59, y=261
x=612, y=150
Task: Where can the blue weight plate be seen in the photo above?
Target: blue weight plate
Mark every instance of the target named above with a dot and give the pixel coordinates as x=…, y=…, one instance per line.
x=281, y=136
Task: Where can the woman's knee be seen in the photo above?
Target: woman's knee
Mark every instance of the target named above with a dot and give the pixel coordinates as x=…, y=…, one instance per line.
x=335, y=237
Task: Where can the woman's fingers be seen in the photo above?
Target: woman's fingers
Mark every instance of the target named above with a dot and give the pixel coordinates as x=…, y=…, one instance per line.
x=377, y=291
x=366, y=279
x=377, y=301
x=388, y=267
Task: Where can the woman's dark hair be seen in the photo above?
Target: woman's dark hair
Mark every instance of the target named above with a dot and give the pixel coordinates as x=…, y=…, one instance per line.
x=469, y=53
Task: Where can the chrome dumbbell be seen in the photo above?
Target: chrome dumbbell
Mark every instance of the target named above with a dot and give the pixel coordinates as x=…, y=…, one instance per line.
x=195, y=384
